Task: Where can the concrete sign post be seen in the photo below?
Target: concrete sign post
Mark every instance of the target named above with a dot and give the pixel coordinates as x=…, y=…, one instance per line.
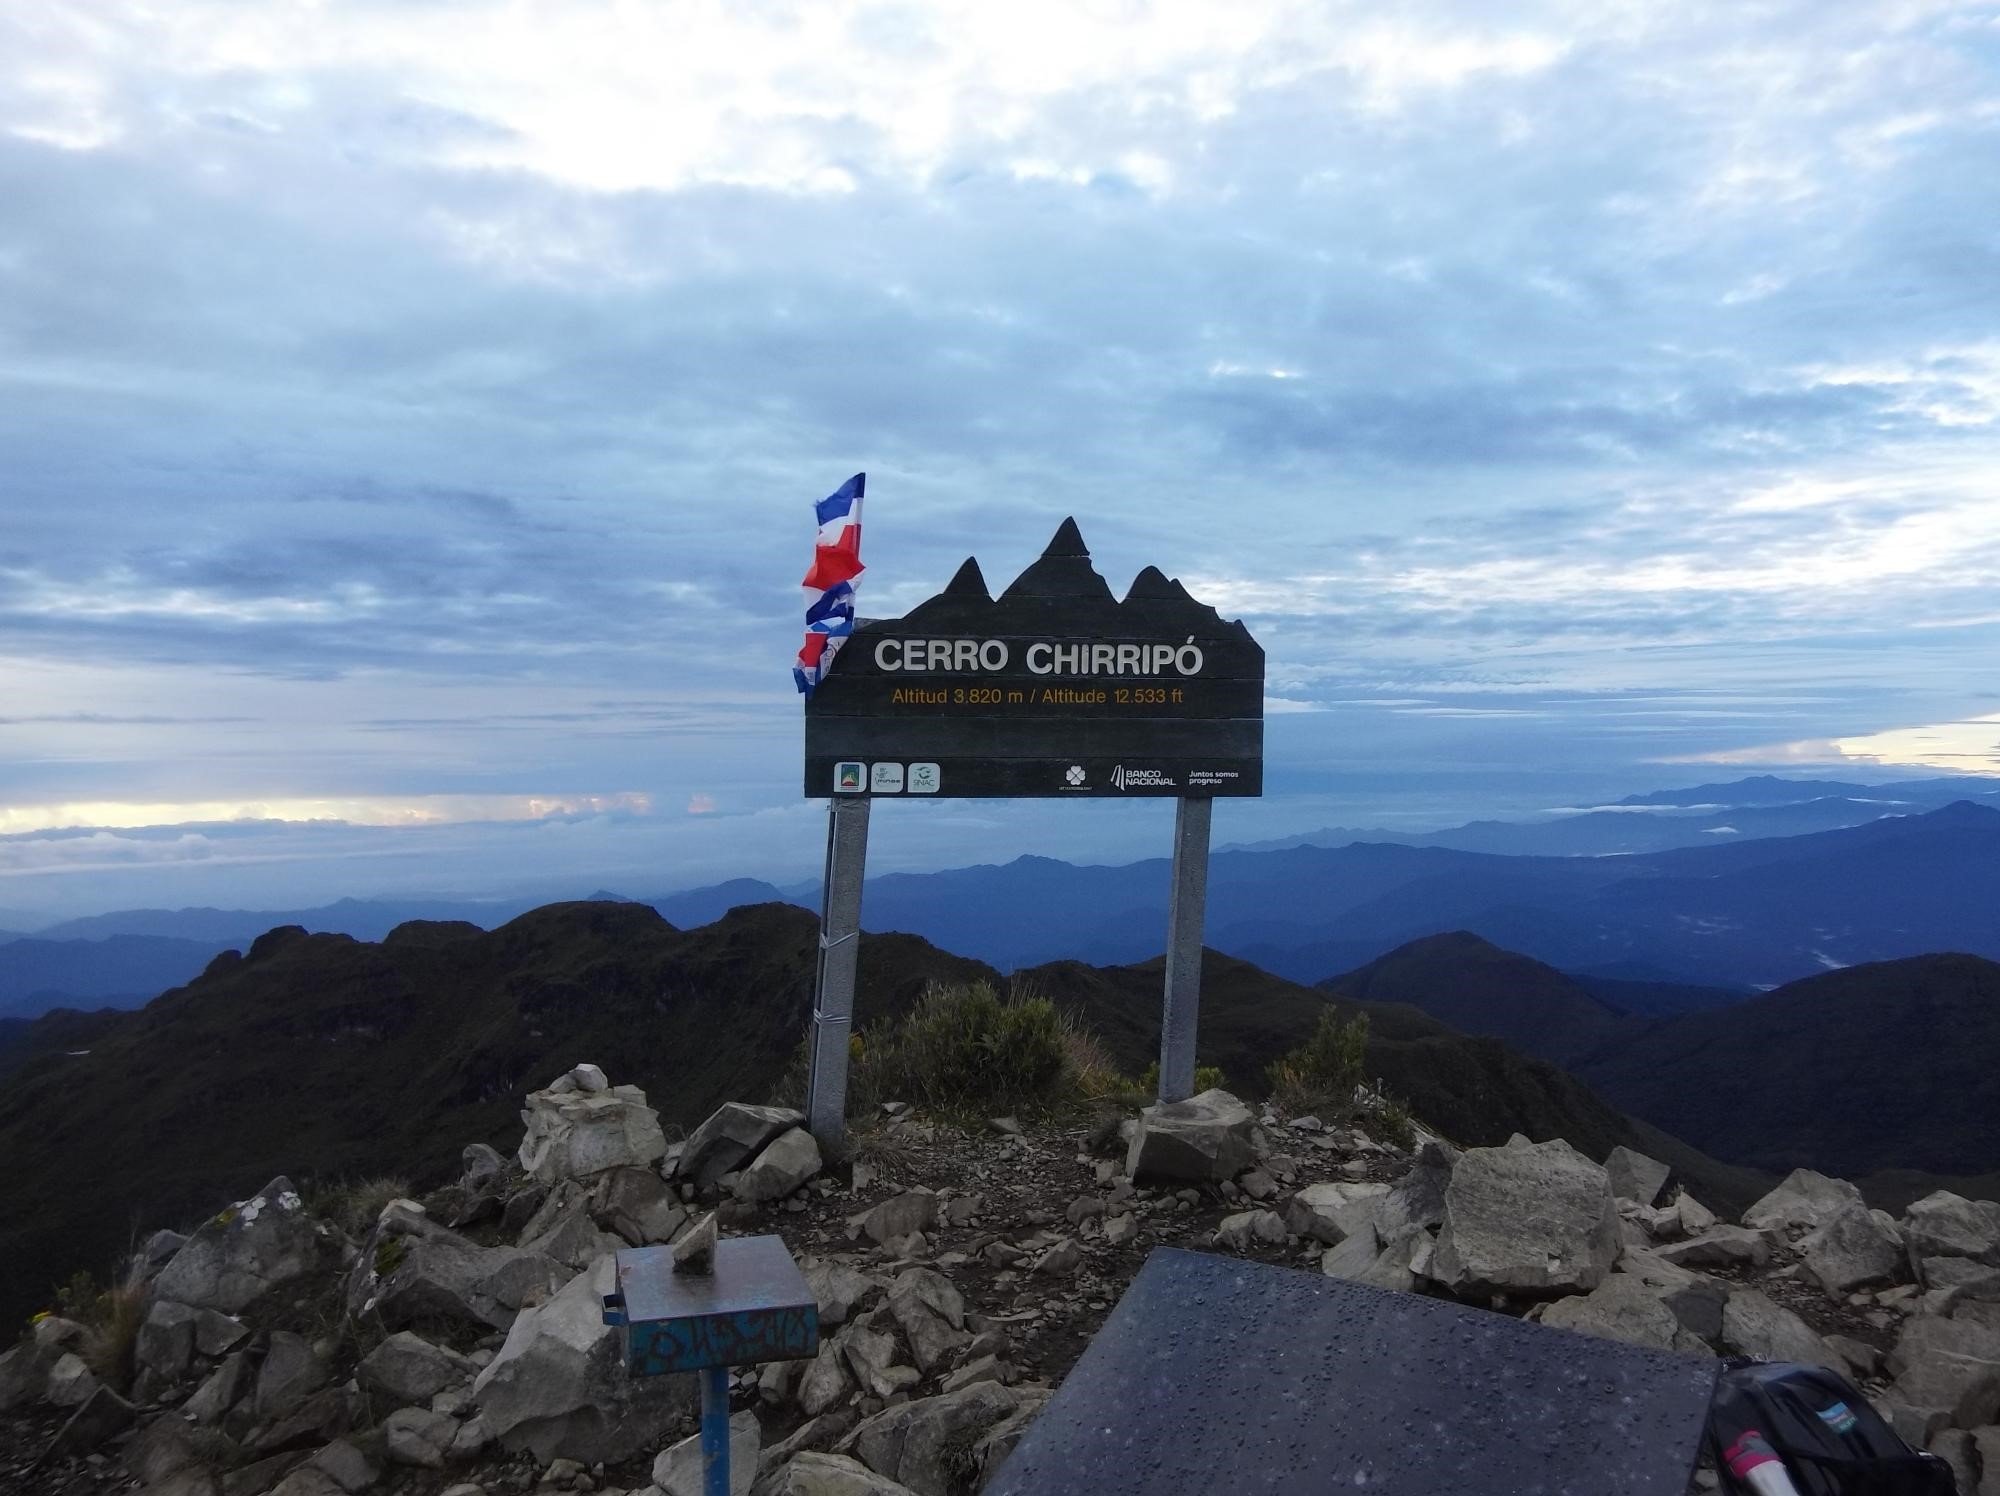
x=1054, y=689
x=839, y=949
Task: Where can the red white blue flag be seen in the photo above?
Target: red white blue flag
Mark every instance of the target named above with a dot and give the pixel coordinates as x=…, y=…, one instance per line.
x=829, y=586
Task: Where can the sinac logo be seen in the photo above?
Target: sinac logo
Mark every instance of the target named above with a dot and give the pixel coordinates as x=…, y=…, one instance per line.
x=1074, y=774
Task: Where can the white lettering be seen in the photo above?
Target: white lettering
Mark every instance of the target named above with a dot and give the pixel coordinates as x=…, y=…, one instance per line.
x=885, y=650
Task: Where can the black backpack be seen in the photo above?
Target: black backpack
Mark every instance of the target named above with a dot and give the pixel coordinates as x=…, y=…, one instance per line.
x=1823, y=1431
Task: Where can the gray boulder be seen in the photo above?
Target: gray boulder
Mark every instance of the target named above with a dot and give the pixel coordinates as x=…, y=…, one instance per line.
x=70, y=1382
x=171, y=1334
x=638, y=1206
x=1334, y=1211
x=1805, y=1198
x=1417, y=1199
x=221, y=1390
x=900, y=1215
x=1353, y=1257
x=322, y=1415
x=406, y=1369
x=412, y=1270
x=571, y=1236
x=1986, y=1443
x=815, y=1474
x=483, y=1166
x=237, y=1256
x=871, y=1356
x=1951, y=1365
x=1693, y=1217
x=919, y=1443
x=1695, y=1299
x=1247, y=1228
x=102, y=1415
x=785, y=1163
x=825, y=1382
x=733, y=1134
x=1955, y=1447
x=1754, y=1326
x=998, y=1442
x=1207, y=1138
x=290, y=1373
x=677, y=1470
x=419, y=1437
x=838, y=1289
x=1529, y=1218
x=1719, y=1246
x=1946, y=1225
x=1851, y=1248
x=1404, y=1259
x=20, y=1378
x=1634, y=1176
x=558, y=1388
x=1971, y=1278
x=355, y=1465
x=306, y=1480
x=576, y=1133
x=1625, y=1308
x=931, y=1314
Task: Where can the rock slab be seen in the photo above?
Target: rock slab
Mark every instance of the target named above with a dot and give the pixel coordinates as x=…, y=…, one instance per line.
x=1529, y=1218
x=1205, y=1139
x=243, y=1252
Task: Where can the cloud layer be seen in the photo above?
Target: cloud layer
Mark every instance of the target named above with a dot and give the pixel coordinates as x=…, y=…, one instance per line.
x=411, y=401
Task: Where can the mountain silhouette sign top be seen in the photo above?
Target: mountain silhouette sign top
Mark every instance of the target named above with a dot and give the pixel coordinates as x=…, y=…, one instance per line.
x=1055, y=687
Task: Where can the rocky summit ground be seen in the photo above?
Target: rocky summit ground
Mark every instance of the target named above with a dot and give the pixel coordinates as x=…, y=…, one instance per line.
x=455, y=1345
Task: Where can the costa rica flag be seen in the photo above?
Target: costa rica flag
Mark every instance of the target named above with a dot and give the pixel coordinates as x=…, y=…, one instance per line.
x=829, y=585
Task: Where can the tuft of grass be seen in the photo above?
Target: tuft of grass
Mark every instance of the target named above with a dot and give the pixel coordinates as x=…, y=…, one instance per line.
x=110, y=1317
x=1321, y=1075
x=112, y=1334
x=354, y=1205
x=884, y=1150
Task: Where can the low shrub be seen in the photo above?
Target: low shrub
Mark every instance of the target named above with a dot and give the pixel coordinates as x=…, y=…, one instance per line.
x=1389, y=1121
x=1321, y=1074
x=966, y=1049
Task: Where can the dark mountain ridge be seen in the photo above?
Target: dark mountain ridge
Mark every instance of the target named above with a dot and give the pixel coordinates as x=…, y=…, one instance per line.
x=1893, y=1065
x=1473, y=986
x=326, y=1057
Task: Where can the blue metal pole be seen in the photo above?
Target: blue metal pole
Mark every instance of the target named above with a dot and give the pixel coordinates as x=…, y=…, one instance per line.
x=715, y=1431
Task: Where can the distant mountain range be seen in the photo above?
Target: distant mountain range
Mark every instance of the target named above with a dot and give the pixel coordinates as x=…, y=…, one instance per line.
x=327, y=1056
x=1760, y=806
x=1696, y=926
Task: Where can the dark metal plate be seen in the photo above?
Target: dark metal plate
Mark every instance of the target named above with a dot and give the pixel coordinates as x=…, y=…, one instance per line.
x=1214, y=1374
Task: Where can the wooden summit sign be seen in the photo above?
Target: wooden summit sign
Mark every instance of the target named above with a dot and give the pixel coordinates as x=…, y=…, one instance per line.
x=1054, y=688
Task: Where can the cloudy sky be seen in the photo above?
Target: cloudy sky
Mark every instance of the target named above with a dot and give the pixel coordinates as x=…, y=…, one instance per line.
x=410, y=412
